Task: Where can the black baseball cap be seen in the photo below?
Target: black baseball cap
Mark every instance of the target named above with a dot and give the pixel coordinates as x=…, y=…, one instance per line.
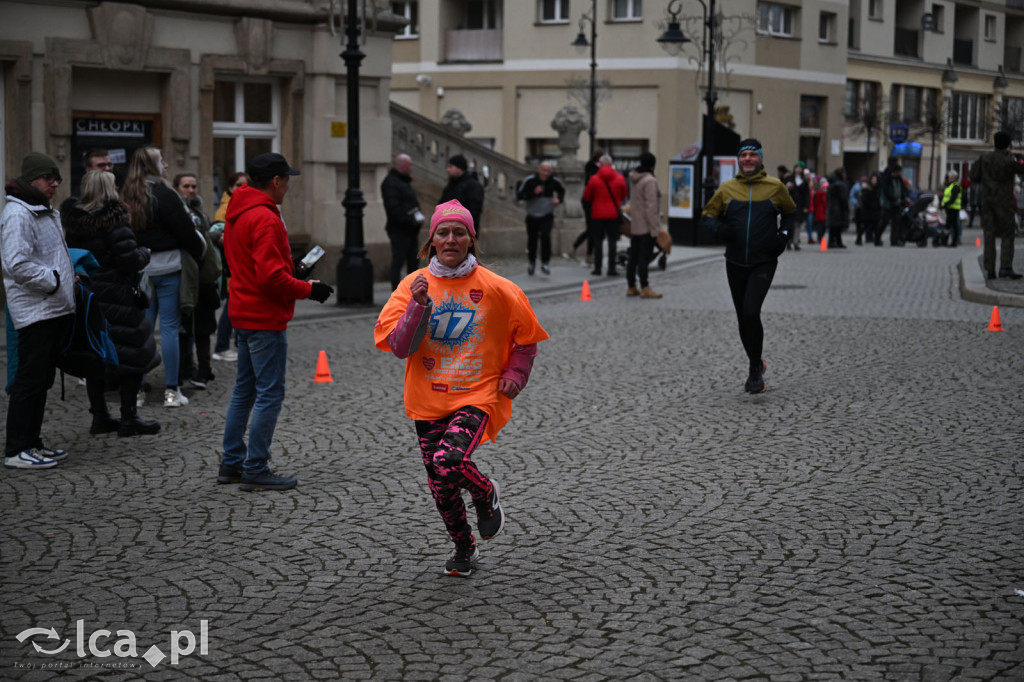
x=266, y=166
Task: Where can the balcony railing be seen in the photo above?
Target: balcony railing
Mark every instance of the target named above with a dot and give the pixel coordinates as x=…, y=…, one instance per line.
x=1015, y=4
x=473, y=45
x=963, y=52
x=1011, y=58
x=906, y=43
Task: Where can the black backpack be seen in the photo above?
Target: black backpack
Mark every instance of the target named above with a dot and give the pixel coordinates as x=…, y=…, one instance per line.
x=88, y=345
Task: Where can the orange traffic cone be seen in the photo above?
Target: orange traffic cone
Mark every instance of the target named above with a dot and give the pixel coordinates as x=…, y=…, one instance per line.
x=994, y=324
x=824, y=244
x=977, y=241
x=323, y=372
x=585, y=294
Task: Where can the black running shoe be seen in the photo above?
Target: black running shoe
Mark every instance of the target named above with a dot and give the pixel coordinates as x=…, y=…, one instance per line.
x=461, y=563
x=266, y=481
x=490, y=520
x=755, y=382
x=229, y=474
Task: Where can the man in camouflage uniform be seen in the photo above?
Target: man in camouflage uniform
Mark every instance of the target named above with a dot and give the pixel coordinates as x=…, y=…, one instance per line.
x=995, y=171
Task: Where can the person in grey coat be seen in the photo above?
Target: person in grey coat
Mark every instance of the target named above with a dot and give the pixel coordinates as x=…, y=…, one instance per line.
x=39, y=280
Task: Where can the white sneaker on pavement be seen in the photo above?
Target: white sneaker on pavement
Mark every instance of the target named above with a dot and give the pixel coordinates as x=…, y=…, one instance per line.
x=29, y=459
x=174, y=398
x=230, y=355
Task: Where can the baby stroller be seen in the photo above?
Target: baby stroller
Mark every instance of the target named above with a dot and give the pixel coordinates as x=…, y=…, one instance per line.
x=662, y=245
x=912, y=223
x=657, y=254
x=935, y=223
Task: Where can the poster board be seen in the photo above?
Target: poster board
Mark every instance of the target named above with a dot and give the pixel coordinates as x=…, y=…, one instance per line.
x=681, y=195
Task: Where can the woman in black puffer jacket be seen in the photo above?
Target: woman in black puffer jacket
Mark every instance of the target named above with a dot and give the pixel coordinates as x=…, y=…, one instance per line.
x=98, y=222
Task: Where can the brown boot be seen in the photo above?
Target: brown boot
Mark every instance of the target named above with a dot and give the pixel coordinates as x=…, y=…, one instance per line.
x=648, y=292
x=632, y=291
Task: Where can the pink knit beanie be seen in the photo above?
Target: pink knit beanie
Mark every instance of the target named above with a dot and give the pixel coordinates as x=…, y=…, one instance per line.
x=451, y=210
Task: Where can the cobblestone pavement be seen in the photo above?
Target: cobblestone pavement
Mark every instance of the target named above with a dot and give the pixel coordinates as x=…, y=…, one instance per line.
x=860, y=520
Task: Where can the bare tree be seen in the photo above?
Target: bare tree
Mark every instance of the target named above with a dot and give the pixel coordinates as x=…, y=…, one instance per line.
x=1009, y=117
x=934, y=123
x=578, y=92
x=867, y=117
x=733, y=36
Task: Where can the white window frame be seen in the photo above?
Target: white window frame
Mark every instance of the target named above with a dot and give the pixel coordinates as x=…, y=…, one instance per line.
x=875, y=9
x=412, y=29
x=240, y=130
x=970, y=111
x=634, y=11
x=776, y=20
x=991, y=27
x=827, y=27
x=560, y=14
x=939, y=13
x=852, y=99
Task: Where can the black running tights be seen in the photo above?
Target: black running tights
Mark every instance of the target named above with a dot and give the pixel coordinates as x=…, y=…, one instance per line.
x=749, y=287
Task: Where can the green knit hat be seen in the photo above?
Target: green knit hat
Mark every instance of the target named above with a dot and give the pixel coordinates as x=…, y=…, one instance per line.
x=36, y=164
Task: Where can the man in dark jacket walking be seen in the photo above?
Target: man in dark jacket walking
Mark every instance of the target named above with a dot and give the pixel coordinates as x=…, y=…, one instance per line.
x=464, y=187
x=995, y=171
x=837, y=201
x=542, y=192
x=404, y=218
x=894, y=197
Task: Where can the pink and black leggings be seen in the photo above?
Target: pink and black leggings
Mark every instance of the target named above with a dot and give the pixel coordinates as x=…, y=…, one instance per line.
x=446, y=445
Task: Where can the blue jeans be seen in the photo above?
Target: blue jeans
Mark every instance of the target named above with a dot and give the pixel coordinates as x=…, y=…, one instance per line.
x=259, y=390
x=166, y=301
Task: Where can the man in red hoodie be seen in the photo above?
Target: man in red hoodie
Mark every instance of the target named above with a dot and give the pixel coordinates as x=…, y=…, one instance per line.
x=605, y=192
x=263, y=291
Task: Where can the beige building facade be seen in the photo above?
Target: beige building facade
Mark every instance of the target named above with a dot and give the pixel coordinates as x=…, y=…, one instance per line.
x=211, y=83
x=947, y=73
x=510, y=66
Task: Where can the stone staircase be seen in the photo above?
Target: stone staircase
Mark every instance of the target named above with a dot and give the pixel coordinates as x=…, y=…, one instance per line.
x=430, y=144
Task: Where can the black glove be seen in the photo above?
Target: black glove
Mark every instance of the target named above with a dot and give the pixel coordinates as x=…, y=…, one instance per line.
x=302, y=271
x=321, y=292
x=57, y=276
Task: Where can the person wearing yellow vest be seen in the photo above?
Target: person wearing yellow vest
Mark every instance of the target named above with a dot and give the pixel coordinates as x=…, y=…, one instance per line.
x=468, y=338
x=952, y=200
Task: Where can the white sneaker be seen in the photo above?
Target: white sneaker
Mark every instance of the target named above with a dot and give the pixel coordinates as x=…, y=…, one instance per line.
x=230, y=355
x=29, y=459
x=181, y=397
x=171, y=398
x=140, y=399
x=50, y=453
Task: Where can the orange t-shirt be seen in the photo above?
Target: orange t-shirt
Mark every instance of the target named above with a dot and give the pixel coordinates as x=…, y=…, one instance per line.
x=473, y=326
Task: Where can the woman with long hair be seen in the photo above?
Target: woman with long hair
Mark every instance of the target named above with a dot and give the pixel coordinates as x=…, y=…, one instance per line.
x=98, y=222
x=161, y=224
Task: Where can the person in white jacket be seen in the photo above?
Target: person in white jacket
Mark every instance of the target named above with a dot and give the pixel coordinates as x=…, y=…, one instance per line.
x=39, y=280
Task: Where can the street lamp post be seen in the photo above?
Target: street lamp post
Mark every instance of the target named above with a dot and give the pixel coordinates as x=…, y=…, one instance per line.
x=581, y=43
x=672, y=40
x=354, y=272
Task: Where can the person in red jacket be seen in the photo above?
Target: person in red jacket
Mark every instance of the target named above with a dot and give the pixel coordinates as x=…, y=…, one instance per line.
x=262, y=301
x=605, y=192
x=819, y=205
